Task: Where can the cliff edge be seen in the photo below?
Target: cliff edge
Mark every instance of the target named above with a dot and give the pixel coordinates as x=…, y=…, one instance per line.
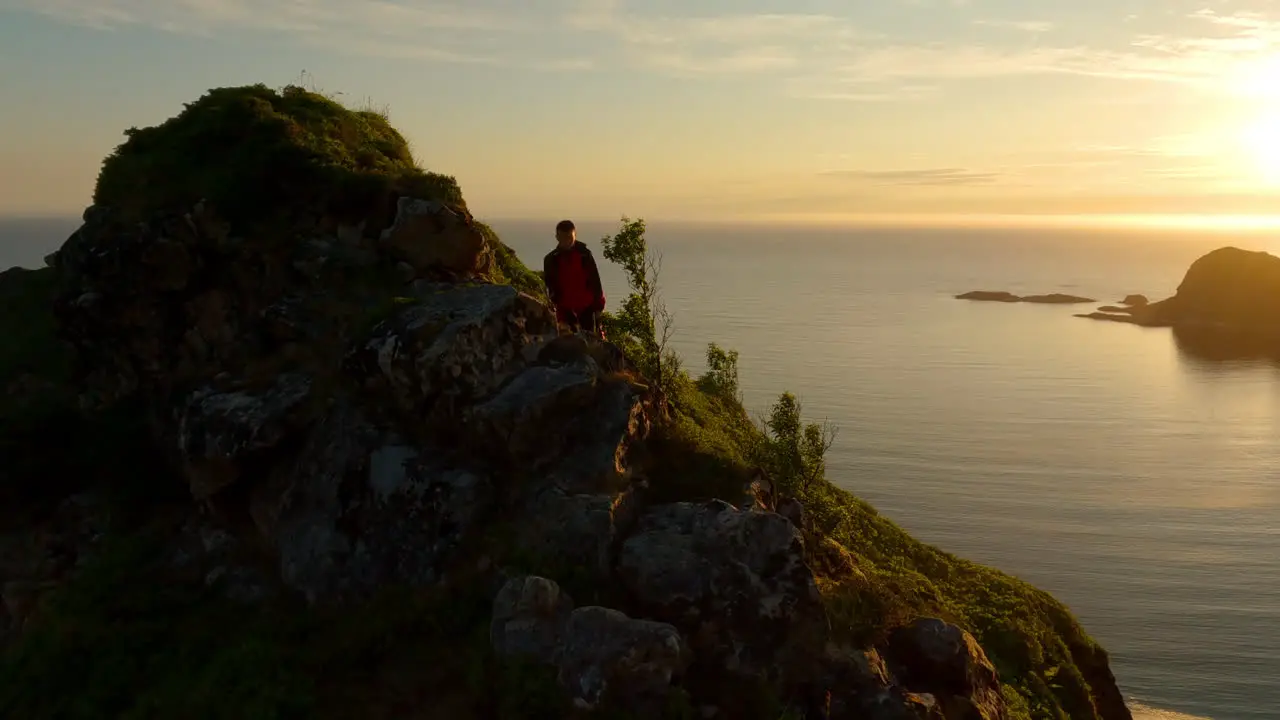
x=288, y=433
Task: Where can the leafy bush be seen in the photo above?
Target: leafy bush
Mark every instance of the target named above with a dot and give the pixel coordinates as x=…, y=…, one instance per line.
x=642, y=327
x=721, y=378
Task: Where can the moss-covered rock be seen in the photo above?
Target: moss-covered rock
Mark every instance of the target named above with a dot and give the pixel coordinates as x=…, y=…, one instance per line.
x=255, y=152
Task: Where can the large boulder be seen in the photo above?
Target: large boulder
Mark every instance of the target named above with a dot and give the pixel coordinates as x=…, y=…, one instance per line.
x=936, y=657
x=453, y=346
x=735, y=581
x=603, y=658
x=218, y=431
x=359, y=507
x=855, y=685
x=430, y=235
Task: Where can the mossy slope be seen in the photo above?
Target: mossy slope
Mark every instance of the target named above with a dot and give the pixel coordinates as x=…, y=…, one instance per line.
x=874, y=576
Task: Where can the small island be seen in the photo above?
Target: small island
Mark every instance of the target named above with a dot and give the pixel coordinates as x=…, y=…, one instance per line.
x=1008, y=297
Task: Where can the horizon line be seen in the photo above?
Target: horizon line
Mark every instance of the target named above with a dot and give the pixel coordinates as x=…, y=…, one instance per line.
x=1137, y=221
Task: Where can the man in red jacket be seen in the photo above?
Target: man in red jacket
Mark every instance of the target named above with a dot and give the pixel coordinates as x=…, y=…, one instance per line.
x=573, y=281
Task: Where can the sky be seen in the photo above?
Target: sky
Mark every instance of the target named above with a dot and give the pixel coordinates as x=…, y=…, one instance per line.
x=699, y=109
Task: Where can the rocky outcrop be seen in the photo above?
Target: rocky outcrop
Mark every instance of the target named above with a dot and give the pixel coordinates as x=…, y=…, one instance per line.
x=935, y=657
x=1008, y=297
x=1225, y=307
x=734, y=580
x=429, y=235
x=366, y=444
x=602, y=658
x=346, y=403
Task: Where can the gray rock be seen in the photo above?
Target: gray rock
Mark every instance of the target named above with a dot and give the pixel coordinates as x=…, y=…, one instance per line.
x=734, y=580
x=453, y=347
x=603, y=658
x=854, y=684
x=580, y=530
x=215, y=430
x=933, y=656
x=529, y=617
x=530, y=416
x=610, y=660
x=430, y=235
x=602, y=434
x=363, y=508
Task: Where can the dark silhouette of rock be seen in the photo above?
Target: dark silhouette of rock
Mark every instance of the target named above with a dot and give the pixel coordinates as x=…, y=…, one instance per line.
x=1002, y=296
x=989, y=296
x=1227, y=306
x=1132, y=300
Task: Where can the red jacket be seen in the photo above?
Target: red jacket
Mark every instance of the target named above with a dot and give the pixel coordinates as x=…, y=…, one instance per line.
x=573, y=280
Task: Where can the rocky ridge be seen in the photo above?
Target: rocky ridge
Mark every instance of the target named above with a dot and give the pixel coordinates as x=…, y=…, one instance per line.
x=352, y=407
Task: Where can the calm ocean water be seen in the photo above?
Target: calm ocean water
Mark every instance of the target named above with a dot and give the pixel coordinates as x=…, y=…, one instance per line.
x=1099, y=461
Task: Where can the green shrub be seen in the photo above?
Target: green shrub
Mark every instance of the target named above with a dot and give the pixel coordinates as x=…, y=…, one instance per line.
x=642, y=326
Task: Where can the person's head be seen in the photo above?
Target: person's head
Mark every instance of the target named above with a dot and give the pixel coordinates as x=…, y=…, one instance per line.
x=566, y=233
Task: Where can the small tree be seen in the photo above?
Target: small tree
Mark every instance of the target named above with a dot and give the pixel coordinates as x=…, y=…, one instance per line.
x=721, y=378
x=794, y=453
x=642, y=326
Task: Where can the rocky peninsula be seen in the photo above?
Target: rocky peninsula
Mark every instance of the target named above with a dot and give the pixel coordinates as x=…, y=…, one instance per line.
x=287, y=433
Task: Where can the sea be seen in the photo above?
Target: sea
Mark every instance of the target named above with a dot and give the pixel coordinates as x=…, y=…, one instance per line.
x=1115, y=466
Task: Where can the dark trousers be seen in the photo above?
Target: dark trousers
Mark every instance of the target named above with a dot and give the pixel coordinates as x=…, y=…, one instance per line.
x=579, y=320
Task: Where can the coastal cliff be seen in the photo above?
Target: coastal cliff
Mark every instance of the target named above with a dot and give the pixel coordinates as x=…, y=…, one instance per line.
x=288, y=433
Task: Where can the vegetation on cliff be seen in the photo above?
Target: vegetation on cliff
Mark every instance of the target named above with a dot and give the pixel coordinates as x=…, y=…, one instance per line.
x=874, y=576
x=133, y=634
x=254, y=152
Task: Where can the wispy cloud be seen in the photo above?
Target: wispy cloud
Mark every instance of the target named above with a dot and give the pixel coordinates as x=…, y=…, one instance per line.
x=449, y=32
x=1031, y=26
x=824, y=56
x=810, y=55
x=925, y=177
x=718, y=44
